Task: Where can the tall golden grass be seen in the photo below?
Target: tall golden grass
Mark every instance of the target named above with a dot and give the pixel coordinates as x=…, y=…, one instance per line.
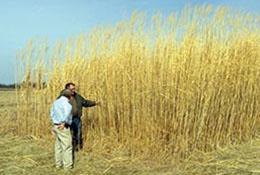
x=167, y=87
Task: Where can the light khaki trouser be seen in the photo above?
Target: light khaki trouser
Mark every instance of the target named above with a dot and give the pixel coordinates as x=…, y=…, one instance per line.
x=63, y=147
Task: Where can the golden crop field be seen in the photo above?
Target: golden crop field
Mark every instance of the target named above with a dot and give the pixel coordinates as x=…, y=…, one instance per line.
x=167, y=87
x=31, y=155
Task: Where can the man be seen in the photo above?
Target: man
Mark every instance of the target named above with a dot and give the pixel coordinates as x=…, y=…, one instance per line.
x=61, y=115
x=78, y=102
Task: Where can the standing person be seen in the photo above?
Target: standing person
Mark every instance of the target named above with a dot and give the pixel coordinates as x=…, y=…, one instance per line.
x=61, y=115
x=78, y=102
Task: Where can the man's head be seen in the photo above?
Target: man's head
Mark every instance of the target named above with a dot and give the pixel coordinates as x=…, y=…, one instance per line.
x=71, y=86
x=66, y=93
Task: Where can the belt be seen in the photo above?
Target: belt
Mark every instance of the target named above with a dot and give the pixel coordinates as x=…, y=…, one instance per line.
x=57, y=123
x=66, y=125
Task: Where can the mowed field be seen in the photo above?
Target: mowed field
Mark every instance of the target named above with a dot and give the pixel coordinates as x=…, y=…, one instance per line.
x=7, y=99
x=30, y=155
x=7, y=110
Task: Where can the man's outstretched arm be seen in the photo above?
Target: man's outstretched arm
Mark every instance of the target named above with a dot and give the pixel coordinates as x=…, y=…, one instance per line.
x=88, y=103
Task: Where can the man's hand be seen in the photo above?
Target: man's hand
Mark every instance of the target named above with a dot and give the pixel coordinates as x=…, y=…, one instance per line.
x=61, y=126
x=52, y=132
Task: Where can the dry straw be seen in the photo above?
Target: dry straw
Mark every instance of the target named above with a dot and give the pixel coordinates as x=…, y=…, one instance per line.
x=167, y=87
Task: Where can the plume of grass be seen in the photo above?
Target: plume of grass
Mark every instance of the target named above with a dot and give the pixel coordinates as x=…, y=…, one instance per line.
x=167, y=87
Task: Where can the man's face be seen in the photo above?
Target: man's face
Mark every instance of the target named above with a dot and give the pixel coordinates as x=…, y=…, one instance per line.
x=72, y=89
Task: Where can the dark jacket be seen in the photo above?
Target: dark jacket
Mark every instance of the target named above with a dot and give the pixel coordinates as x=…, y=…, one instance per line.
x=78, y=102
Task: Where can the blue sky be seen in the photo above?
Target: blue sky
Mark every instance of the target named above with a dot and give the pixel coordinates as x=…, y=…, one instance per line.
x=21, y=20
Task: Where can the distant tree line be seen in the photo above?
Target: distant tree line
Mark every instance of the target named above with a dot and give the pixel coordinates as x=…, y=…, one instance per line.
x=12, y=86
x=7, y=86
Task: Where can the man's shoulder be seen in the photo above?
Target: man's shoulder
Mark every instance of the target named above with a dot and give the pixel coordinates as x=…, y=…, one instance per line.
x=62, y=100
x=78, y=96
x=58, y=100
x=66, y=103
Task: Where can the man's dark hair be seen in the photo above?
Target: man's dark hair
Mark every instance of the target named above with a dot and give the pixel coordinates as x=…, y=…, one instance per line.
x=68, y=85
